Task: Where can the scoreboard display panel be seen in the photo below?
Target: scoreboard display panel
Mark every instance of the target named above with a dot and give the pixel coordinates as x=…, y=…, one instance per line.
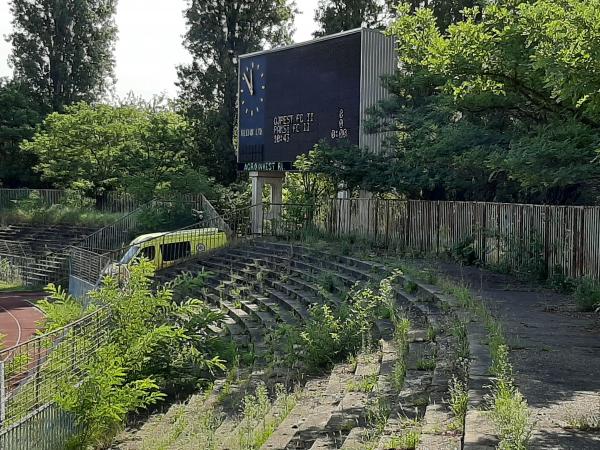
x=293, y=97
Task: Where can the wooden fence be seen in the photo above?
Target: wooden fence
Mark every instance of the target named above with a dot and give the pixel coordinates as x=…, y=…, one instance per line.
x=562, y=238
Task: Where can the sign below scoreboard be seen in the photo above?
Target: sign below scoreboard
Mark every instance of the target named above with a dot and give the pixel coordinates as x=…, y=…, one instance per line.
x=265, y=166
x=292, y=98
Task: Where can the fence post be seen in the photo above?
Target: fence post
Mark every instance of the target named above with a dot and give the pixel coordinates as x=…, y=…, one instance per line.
x=407, y=230
x=387, y=223
x=2, y=396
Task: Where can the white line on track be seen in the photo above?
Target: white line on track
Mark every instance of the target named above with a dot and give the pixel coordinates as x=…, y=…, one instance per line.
x=18, y=326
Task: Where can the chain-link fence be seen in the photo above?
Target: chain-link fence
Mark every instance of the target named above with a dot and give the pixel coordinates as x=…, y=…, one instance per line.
x=33, y=373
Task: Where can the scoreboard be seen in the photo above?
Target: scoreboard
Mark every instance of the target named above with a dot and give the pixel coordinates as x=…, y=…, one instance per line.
x=293, y=97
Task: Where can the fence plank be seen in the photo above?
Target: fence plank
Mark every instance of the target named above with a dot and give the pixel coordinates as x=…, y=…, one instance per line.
x=563, y=238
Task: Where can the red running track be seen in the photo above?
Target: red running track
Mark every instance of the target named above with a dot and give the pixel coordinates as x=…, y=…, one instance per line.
x=19, y=316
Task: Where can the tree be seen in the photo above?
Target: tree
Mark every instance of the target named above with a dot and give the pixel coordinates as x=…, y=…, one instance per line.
x=334, y=16
x=19, y=115
x=63, y=49
x=218, y=32
x=446, y=12
x=501, y=106
x=530, y=66
x=103, y=148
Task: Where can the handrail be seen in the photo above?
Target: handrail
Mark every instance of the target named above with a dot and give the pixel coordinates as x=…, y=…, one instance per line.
x=119, y=220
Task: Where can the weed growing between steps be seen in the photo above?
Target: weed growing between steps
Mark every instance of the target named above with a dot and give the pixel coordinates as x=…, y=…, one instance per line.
x=261, y=416
x=401, y=329
x=459, y=400
x=333, y=331
x=509, y=408
x=407, y=441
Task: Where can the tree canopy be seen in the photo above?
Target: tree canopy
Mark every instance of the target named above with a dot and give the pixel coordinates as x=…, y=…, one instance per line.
x=19, y=115
x=101, y=148
x=63, y=49
x=334, y=16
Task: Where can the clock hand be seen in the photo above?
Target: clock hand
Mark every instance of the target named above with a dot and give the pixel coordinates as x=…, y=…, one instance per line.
x=249, y=84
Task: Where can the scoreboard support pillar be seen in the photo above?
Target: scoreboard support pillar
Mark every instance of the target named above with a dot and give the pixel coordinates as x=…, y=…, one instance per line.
x=259, y=180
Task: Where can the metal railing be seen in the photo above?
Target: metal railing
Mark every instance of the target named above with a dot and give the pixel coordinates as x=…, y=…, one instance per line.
x=33, y=373
x=166, y=249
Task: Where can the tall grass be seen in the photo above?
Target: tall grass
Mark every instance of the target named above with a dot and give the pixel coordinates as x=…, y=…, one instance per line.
x=58, y=214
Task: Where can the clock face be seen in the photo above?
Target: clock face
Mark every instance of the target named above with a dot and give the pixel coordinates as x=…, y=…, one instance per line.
x=252, y=89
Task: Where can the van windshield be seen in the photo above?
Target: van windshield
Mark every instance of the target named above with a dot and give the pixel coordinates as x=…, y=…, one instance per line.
x=130, y=254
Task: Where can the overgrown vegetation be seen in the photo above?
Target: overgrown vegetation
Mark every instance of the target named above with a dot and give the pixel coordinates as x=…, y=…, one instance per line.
x=401, y=329
x=509, y=408
x=334, y=331
x=261, y=416
x=504, y=88
x=10, y=276
x=587, y=294
x=154, y=348
x=459, y=401
x=407, y=441
x=588, y=421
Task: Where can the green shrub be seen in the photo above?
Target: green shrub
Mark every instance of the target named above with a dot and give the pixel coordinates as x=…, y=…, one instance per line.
x=558, y=281
x=464, y=252
x=10, y=276
x=587, y=294
x=103, y=399
x=155, y=347
x=411, y=287
x=187, y=284
x=328, y=281
x=74, y=209
x=459, y=400
x=60, y=308
x=331, y=333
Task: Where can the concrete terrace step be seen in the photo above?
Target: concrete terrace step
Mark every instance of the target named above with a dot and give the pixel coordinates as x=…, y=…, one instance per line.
x=362, y=271
x=251, y=299
x=276, y=259
x=245, y=262
x=292, y=287
x=269, y=297
x=321, y=396
x=262, y=284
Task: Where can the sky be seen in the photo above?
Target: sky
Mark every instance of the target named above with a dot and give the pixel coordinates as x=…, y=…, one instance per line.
x=150, y=43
